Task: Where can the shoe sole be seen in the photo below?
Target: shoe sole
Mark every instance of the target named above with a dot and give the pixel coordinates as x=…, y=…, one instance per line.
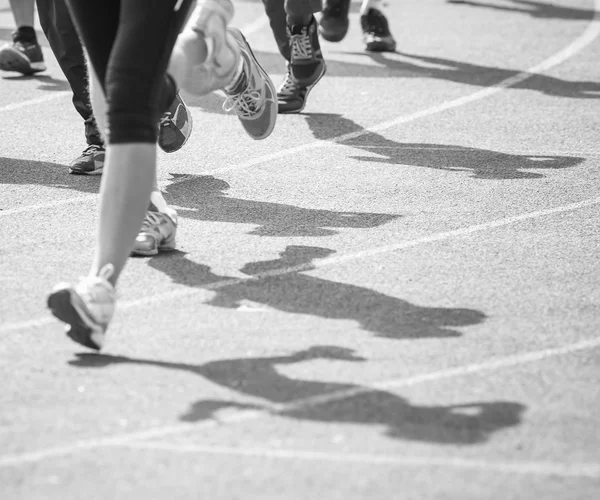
x=152, y=253
x=83, y=172
x=380, y=46
x=265, y=76
x=13, y=60
x=308, y=89
x=61, y=305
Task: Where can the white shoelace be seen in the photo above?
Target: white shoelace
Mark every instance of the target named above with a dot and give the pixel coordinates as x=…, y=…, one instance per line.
x=301, y=46
x=245, y=104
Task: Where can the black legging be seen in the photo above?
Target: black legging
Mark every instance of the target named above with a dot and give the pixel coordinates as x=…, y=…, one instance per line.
x=129, y=43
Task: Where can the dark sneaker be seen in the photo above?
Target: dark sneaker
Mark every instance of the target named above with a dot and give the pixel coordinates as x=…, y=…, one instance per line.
x=376, y=32
x=333, y=24
x=23, y=57
x=307, y=65
x=252, y=97
x=292, y=95
x=175, y=126
x=91, y=161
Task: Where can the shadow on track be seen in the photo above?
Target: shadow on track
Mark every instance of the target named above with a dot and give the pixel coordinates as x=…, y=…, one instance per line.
x=541, y=10
x=29, y=172
x=467, y=423
x=482, y=163
x=298, y=293
x=203, y=197
x=46, y=82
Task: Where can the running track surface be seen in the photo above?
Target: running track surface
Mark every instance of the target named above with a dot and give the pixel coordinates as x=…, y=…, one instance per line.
x=396, y=296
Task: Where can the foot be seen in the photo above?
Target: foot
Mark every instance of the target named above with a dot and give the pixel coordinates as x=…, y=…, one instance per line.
x=90, y=162
x=252, y=97
x=333, y=24
x=22, y=56
x=175, y=126
x=158, y=233
x=86, y=308
x=307, y=65
x=291, y=95
x=376, y=32
x=211, y=54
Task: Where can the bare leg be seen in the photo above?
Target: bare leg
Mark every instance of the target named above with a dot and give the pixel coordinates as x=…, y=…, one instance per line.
x=129, y=174
x=22, y=12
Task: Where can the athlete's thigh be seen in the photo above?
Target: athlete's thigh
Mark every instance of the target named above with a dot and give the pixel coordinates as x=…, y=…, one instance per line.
x=145, y=38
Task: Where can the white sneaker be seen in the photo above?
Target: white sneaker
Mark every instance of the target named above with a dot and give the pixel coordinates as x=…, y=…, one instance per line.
x=86, y=307
x=158, y=232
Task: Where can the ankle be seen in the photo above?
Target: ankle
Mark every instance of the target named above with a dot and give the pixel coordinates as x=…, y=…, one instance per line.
x=25, y=34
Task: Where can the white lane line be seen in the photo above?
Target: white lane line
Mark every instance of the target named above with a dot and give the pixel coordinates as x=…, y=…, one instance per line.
x=587, y=470
x=178, y=294
x=318, y=264
x=247, y=415
x=590, y=33
x=32, y=102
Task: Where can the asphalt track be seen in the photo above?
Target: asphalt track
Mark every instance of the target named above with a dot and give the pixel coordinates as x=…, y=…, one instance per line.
x=395, y=296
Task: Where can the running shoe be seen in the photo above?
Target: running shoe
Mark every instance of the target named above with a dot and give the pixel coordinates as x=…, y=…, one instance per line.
x=22, y=56
x=86, y=308
x=306, y=65
x=206, y=38
x=157, y=234
x=291, y=95
x=175, y=126
x=90, y=162
x=333, y=24
x=253, y=96
x=376, y=32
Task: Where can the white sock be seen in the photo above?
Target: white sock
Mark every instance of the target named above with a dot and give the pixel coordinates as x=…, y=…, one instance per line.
x=159, y=202
x=371, y=4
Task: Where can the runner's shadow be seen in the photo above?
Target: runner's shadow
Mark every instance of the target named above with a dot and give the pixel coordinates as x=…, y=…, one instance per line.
x=274, y=393
x=482, y=163
x=29, y=172
x=283, y=285
x=483, y=76
x=47, y=82
x=204, y=197
x=541, y=10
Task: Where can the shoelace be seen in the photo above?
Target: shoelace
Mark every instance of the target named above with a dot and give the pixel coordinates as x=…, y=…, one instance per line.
x=92, y=149
x=151, y=221
x=93, y=293
x=288, y=86
x=245, y=104
x=165, y=119
x=301, y=46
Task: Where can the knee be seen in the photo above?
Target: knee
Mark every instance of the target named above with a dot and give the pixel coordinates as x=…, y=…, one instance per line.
x=133, y=108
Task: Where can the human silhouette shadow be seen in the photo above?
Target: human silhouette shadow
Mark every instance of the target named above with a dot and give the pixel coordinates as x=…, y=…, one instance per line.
x=281, y=284
x=204, y=197
x=320, y=401
x=485, y=76
x=29, y=172
x=46, y=82
x=482, y=163
x=541, y=10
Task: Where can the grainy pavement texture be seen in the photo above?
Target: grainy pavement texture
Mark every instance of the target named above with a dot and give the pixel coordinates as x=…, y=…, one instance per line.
x=395, y=296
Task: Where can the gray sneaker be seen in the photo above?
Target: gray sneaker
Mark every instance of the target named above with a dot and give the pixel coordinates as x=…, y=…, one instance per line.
x=90, y=162
x=253, y=96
